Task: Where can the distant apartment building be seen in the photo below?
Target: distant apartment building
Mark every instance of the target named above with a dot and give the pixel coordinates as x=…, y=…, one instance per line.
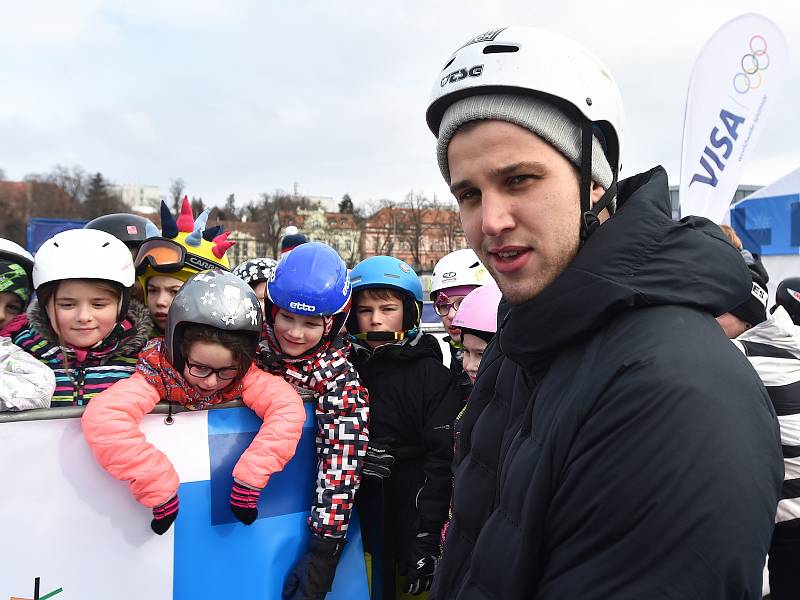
x=144, y=199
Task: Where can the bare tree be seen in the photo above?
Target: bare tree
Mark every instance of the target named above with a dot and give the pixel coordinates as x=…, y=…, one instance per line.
x=268, y=210
x=382, y=226
x=415, y=218
x=176, y=193
x=73, y=180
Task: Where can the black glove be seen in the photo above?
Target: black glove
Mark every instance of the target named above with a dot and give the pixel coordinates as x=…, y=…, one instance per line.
x=312, y=575
x=164, y=515
x=378, y=461
x=422, y=566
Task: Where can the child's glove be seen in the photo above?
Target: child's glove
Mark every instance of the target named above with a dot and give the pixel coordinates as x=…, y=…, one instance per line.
x=244, y=502
x=312, y=575
x=378, y=462
x=422, y=566
x=164, y=515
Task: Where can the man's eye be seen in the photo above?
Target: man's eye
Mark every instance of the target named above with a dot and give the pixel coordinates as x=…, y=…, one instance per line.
x=468, y=195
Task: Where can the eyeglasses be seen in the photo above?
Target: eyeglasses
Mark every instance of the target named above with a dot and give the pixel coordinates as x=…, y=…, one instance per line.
x=203, y=371
x=443, y=308
x=166, y=256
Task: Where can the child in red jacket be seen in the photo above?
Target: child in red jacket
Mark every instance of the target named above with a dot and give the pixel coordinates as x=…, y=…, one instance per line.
x=207, y=357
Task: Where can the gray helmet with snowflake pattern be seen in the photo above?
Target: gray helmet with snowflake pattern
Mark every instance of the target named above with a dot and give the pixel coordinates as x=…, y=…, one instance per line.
x=215, y=298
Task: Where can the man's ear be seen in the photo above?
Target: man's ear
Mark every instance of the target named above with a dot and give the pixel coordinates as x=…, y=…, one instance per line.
x=595, y=193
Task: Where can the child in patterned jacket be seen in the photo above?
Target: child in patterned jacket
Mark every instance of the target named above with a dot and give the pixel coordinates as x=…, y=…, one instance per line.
x=307, y=303
x=213, y=328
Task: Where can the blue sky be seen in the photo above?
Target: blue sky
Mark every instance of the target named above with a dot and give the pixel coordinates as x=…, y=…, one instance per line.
x=248, y=97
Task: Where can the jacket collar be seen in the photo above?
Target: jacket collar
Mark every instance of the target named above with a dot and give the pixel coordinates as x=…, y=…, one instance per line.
x=639, y=257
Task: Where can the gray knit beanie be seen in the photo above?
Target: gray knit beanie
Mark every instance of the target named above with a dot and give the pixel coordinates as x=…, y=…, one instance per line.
x=537, y=115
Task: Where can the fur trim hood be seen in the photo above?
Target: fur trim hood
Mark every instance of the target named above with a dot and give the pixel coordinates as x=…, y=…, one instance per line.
x=131, y=344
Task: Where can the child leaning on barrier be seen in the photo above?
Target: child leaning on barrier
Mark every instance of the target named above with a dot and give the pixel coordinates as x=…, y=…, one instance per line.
x=308, y=300
x=207, y=356
x=83, y=324
x=25, y=383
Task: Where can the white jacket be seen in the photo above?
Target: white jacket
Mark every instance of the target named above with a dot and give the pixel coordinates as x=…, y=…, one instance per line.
x=773, y=348
x=25, y=382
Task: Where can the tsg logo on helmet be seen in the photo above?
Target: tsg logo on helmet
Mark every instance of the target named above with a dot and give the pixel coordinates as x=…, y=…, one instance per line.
x=475, y=71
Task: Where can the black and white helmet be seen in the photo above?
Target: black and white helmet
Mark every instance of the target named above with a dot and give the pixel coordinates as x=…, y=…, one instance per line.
x=788, y=296
x=215, y=298
x=256, y=270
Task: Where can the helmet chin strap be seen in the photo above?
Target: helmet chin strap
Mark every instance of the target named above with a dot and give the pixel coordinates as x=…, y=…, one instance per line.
x=590, y=215
x=381, y=336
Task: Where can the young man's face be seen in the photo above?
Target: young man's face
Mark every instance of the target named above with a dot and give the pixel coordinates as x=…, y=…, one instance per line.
x=519, y=202
x=377, y=313
x=161, y=290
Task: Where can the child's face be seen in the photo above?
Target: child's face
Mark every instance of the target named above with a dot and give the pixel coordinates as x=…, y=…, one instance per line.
x=378, y=314
x=161, y=290
x=83, y=312
x=260, y=290
x=297, y=334
x=210, y=367
x=10, y=307
x=473, y=347
x=452, y=303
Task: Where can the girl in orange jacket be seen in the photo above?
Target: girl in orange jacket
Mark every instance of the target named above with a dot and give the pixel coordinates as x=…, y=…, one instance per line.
x=206, y=358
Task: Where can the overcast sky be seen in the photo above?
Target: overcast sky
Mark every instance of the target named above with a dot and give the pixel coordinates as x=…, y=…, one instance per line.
x=247, y=97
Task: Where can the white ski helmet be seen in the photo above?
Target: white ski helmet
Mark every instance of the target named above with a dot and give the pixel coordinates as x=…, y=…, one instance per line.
x=13, y=252
x=531, y=61
x=83, y=254
x=462, y=267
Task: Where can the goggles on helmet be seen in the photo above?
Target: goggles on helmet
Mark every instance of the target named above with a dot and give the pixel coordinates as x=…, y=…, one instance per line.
x=166, y=256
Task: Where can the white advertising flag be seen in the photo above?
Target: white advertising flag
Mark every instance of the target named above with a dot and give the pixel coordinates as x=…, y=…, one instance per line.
x=734, y=80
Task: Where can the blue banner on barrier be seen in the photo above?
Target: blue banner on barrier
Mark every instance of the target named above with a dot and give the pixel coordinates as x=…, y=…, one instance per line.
x=218, y=557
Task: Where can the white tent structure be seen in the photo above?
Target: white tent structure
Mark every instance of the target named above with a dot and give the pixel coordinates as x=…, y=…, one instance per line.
x=768, y=223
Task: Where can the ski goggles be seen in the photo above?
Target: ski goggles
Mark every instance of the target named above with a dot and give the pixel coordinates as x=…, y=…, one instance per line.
x=166, y=256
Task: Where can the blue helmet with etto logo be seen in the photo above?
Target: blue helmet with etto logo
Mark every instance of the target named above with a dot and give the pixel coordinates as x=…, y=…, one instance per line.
x=312, y=280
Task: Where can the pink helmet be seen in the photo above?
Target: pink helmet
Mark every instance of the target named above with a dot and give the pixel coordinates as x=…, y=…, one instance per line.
x=478, y=310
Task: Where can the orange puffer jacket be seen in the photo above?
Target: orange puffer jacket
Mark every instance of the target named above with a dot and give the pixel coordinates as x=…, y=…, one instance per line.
x=111, y=427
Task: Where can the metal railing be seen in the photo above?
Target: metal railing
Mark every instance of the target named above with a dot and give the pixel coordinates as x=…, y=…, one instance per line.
x=74, y=412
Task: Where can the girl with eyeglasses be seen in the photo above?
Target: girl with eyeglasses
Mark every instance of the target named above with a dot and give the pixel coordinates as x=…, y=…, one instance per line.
x=206, y=358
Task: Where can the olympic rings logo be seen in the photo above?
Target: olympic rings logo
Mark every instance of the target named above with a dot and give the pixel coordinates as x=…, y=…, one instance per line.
x=752, y=63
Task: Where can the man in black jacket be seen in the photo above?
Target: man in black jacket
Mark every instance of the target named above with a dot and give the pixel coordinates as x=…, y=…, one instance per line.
x=615, y=444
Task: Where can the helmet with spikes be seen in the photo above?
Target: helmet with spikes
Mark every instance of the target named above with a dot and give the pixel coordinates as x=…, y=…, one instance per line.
x=207, y=244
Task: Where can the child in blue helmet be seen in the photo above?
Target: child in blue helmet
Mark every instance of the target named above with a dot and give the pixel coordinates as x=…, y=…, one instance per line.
x=413, y=406
x=307, y=303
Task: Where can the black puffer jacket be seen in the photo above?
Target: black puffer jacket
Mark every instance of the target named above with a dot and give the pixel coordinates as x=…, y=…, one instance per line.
x=412, y=407
x=616, y=445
